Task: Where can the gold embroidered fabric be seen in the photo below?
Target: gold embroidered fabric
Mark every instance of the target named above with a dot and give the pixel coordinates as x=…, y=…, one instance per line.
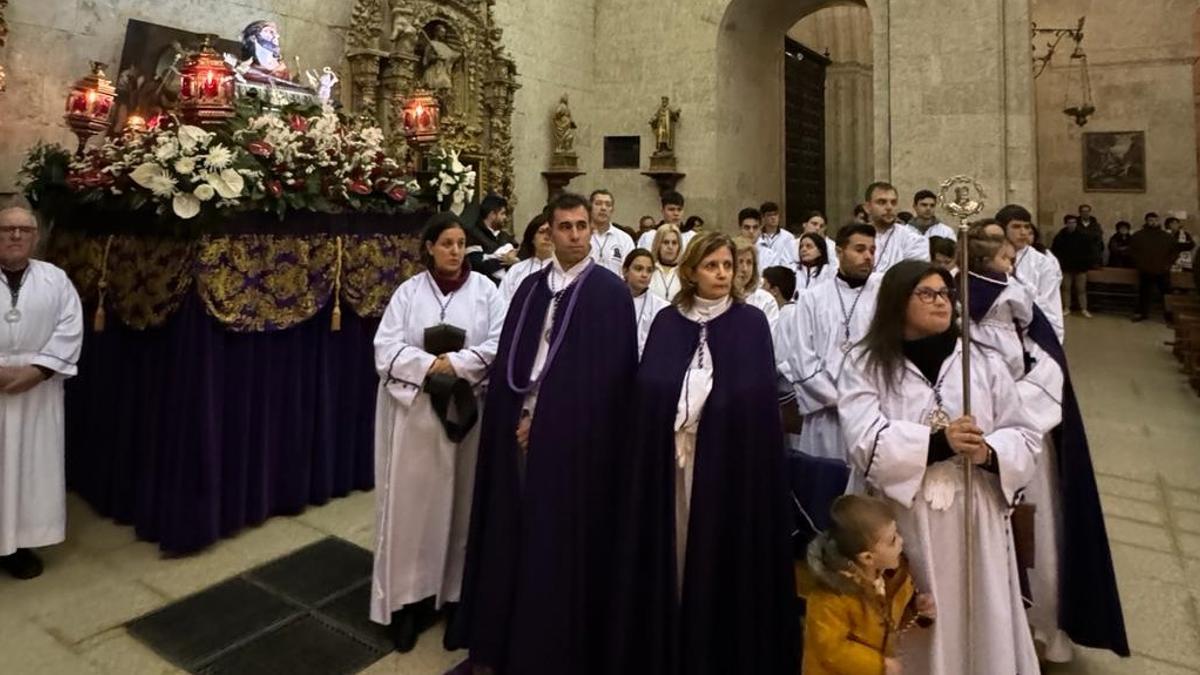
x=374, y=266
x=148, y=278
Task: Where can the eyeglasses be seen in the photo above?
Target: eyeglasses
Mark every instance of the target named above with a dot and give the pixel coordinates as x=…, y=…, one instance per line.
x=14, y=231
x=928, y=295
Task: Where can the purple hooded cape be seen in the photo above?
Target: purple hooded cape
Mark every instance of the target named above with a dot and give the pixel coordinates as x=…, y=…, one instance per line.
x=738, y=612
x=536, y=589
x=1089, y=606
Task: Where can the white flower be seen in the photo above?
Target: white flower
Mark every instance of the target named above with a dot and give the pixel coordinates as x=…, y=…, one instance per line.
x=166, y=150
x=228, y=183
x=154, y=178
x=190, y=137
x=204, y=192
x=185, y=205
x=185, y=165
x=219, y=157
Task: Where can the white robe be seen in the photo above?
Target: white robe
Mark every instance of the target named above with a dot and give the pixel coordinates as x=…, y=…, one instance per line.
x=815, y=357
x=645, y=307
x=517, y=273
x=424, y=481
x=888, y=441
x=783, y=244
x=784, y=338
x=609, y=249
x=664, y=282
x=767, y=257
x=808, y=277
x=767, y=303
x=936, y=230
x=646, y=241
x=32, y=479
x=901, y=242
x=1041, y=391
x=1044, y=277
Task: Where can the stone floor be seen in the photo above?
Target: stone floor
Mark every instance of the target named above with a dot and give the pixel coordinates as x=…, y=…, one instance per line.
x=1143, y=421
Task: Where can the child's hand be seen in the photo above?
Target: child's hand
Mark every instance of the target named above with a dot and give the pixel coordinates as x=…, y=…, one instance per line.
x=892, y=667
x=926, y=605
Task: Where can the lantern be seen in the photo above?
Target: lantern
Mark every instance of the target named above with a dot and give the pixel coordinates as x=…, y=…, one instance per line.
x=422, y=118
x=89, y=105
x=206, y=88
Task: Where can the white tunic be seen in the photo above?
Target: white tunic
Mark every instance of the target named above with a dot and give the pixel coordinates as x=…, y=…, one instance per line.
x=609, y=249
x=888, y=441
x=645, y=307
x=424, y=481
x=783, y=244
x=828, y=318
x=769, y=258
x=693, y=394
x=646, y=241
x=810, y=277
x=936, y=230
x=1041, y=389
x=517, y=273
x=900, y=242
x=831, y=251
x=767, y=303
x=1044, y=278
x=32, y=479
x=784, y=338
x=664, y=282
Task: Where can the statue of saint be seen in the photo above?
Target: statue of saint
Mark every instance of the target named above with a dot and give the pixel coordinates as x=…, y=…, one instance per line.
x=564, y=128
x=260, y=42
x=404, y=29
x=439, y=61
x=663, y=123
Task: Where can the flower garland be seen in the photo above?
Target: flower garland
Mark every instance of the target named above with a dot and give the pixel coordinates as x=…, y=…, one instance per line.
x=452, y=178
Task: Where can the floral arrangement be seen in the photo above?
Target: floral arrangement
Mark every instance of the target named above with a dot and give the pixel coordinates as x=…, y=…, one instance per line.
x=298, y=158
x=452, y=178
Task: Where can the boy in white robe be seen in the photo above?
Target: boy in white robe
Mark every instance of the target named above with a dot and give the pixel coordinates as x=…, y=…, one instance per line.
x=1032, y=268
x=894, y=241
x=41, y=334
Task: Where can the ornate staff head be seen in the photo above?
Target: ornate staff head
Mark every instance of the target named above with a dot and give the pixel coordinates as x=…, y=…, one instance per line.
x=962, y=197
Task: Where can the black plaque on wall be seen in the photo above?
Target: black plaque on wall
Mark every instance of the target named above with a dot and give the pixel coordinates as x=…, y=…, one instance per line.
x=622, y=152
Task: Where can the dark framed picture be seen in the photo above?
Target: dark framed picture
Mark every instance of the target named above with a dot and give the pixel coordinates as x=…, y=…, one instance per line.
x=1114, y=161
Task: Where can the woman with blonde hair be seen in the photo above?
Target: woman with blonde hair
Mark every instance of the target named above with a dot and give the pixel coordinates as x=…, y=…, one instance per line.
x=667, y=250
x=748, y=280
x=707, y=583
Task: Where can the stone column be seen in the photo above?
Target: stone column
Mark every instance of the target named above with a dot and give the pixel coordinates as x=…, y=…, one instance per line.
x=364, y=81
x=398, y=77
x=954, y=94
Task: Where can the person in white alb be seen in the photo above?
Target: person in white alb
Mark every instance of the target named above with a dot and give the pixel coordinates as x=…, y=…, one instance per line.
x=750, y=227
x=610, y=245
x=41, y=336
x=816, y=223
x=1032, y=267
x=925, y=221
x=747, y=280
x=536, y=251
x=638, y=269
x=667, y=252
x=774, y=237
x=672, y=214
x=894, y=241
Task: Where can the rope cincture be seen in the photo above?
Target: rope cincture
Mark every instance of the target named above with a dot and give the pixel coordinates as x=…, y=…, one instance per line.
x=336, y=322
x=99, y=320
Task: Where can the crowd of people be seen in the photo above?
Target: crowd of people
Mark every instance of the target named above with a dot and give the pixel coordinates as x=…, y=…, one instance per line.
x=583, y=445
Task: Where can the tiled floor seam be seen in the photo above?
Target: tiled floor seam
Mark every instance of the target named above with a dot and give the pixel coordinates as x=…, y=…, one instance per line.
x=1173, y=537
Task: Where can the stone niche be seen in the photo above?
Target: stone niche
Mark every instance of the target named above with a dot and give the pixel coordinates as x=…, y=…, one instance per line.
x=453, y=49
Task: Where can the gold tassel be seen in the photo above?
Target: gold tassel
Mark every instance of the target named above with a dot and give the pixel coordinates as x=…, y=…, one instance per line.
x=336, y=323
x=98, y=320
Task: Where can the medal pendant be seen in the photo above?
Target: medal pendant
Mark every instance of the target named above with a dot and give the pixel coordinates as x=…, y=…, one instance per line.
x=13, y=315
x=937, y=419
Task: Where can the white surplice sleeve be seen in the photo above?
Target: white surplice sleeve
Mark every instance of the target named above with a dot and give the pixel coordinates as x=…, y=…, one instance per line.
x=1041, y=390
x=1049, y=296
x=815, y=388
x=890, y=454
x=472, y=362
x=917, y=248
x=61, y=351
x=1014, y=436
x=401, y=364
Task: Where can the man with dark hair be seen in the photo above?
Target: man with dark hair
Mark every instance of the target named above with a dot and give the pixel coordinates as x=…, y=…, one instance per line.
x=1154, y=251
x=540, y=554
x=860, y=215
x=780, y=282
x=943, y=253
x=774, y=237
x=749, y=222
x=491, y=249
x=925, y=221
x=609, y=244
x=893, y=242
x=829, y=319
x=1036, y=270
x=672, y=212
x=1076, y=252
x=1092, y=227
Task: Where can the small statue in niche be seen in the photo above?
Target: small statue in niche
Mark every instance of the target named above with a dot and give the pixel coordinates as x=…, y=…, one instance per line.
x=564, y=128
x=260, y=42
x=663, y=123
x=404, y=29
x=323, y=83
x=439, y=60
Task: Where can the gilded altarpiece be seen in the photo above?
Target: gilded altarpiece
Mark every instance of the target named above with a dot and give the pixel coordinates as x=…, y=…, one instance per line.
x=452, y=48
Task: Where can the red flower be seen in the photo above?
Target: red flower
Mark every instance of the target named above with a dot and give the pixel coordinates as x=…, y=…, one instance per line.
x=275, y=188
x=398, y=193
x=259, y=148
x=297, y=183
x=299, y=124
x=360, y=187
x=75, y=182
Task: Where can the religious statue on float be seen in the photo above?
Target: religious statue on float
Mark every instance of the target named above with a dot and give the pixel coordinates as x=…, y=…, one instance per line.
x=262, y=71
x=663, y=124
x=260, y=44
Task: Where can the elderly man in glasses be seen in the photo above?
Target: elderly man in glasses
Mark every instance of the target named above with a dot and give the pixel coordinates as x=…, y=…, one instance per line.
x=41, y=332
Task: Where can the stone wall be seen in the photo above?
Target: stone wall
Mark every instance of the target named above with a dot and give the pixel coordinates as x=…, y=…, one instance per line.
x=1141, y=65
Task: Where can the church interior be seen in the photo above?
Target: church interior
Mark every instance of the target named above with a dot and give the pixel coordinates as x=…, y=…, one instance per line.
x=228, y=329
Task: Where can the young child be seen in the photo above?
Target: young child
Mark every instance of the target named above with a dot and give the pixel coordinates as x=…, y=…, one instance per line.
x=638, y=268
x=860, y=594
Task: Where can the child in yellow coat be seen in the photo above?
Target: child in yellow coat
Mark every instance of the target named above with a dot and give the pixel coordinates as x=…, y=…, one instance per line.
x=860, y=594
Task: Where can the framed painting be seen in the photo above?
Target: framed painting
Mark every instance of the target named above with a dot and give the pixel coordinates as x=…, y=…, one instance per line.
x=1114, y=161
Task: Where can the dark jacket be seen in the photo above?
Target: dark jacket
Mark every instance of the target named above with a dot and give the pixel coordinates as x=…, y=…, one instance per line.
x=1118, y=250
x=480, y=241
x=1075, y=250
x=1154, y=250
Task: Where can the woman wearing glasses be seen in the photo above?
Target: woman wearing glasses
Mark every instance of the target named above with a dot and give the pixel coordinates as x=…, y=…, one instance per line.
x=901, y=410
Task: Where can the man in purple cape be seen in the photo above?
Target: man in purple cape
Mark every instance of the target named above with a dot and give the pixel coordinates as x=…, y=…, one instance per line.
x=537, y=589
x=735, y=611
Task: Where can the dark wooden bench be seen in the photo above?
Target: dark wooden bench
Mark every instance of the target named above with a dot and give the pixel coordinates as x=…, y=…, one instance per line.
x=1116, y=288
